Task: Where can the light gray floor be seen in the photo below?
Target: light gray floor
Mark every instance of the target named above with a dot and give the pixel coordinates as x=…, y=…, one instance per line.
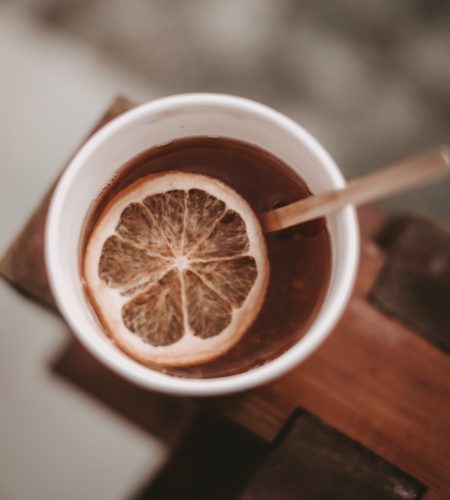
x=54, y=442
x=370, y=79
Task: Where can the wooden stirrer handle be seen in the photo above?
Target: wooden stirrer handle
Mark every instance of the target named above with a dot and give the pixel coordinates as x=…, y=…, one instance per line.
x=400, y=176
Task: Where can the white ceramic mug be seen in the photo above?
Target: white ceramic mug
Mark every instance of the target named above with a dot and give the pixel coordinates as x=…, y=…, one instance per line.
x=159, y=122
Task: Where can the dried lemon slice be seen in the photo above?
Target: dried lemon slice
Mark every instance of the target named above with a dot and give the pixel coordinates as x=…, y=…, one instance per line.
x=176, y=268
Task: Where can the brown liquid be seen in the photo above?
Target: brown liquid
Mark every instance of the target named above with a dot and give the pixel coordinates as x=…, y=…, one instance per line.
x=300, y=258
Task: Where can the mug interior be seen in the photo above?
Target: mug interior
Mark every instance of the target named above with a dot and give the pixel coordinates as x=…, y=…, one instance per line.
x=159, y=122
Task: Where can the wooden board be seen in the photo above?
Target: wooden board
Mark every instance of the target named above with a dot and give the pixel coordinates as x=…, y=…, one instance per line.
x=381, y=379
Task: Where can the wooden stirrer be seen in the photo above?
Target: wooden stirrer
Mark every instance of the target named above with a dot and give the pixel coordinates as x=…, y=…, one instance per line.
x=400, y=176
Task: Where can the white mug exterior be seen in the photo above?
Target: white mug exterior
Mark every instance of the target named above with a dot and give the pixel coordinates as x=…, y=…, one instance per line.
x=159, y=122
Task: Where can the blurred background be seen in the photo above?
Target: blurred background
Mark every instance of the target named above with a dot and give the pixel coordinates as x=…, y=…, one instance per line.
x=370, y=79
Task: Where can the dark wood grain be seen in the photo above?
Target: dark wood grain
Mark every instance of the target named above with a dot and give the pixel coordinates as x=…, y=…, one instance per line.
x=213, y=461
x=414, y=284
x=312, y=461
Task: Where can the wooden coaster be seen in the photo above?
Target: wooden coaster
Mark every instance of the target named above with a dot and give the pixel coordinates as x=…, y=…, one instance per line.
x=414, y=285
x=314, y=461
x=381, y=379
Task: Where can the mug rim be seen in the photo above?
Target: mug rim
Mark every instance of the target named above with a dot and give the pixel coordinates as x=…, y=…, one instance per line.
x=317, y=332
